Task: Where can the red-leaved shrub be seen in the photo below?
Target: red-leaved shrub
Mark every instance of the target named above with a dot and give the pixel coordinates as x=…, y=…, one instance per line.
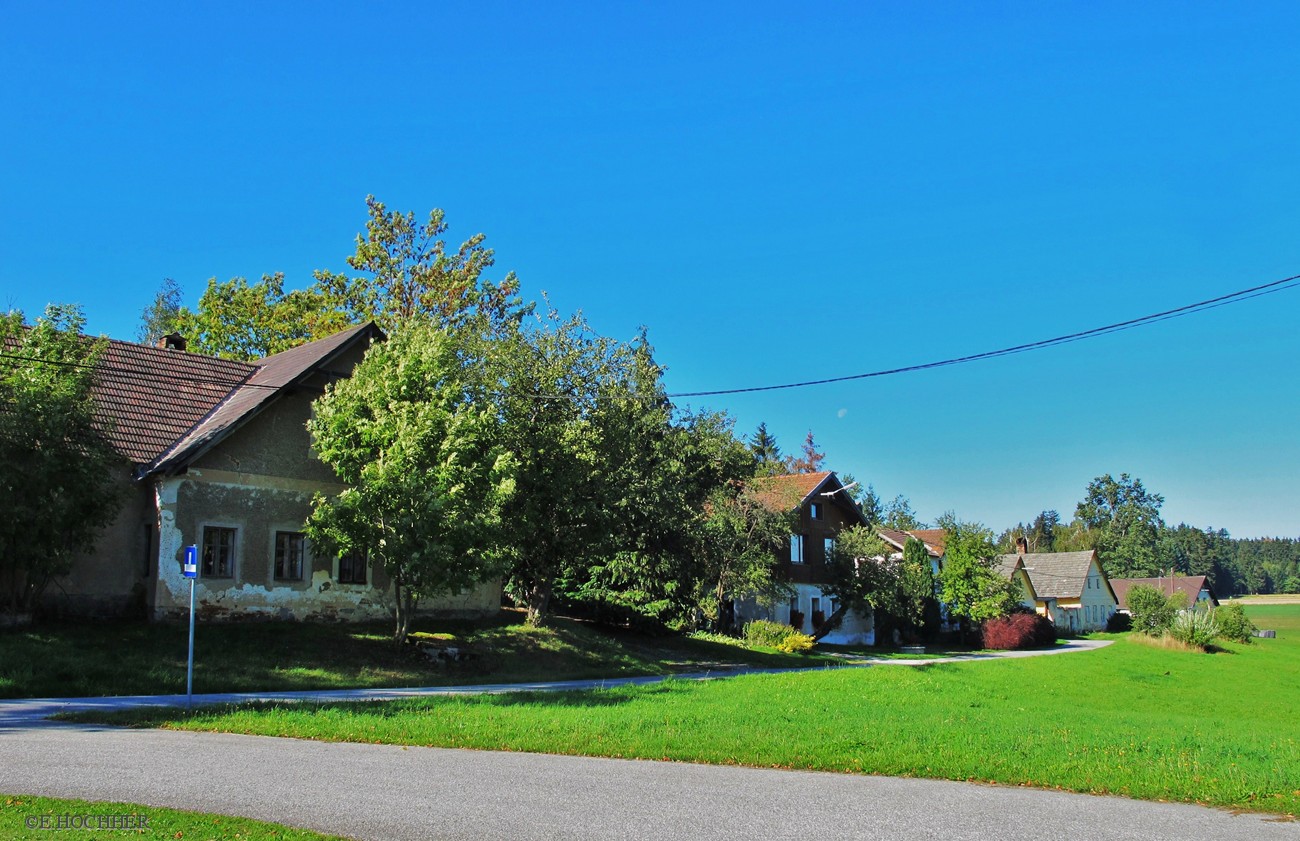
x=1019, y=630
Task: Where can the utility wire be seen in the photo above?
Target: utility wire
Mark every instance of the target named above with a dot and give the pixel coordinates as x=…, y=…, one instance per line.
x=1212, y=303
x=110, y=371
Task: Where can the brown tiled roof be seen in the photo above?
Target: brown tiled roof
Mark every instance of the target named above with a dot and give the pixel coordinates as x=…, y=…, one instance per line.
x=934, y=546
x=936, y=538
x=790, y=491
x=1190, y=585
x=1056, y=575
x=151, y=396
x=783, y=493
x=269, y=376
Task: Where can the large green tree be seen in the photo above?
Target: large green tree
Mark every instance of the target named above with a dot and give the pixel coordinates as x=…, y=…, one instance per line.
x=735, y=555
x=588, y=421
x=1123, y=519
x=670, y=559
x=972, y=586
x=420, y=445
x=407, y=270
x=864, y=577
x=236, y=319
x=57, y=489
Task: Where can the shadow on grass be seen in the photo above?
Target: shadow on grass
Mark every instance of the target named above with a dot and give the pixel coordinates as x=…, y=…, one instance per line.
x=154, y=717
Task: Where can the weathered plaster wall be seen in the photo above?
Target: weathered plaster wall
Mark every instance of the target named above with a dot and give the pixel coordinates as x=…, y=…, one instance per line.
x=274, y=443
x=260, y=481
x=111, y=581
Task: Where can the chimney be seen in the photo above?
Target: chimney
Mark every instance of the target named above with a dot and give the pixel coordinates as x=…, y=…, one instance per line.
x=1022, y=546
x=172, y=341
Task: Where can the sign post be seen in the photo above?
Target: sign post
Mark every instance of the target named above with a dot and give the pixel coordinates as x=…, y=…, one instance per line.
x=191, y=569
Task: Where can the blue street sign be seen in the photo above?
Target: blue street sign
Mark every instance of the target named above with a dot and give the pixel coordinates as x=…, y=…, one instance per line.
x=191, y=562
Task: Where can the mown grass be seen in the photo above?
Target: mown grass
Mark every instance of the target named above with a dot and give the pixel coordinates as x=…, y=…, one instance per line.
x=20, y=817
x=1218, y=729
x=145, y=659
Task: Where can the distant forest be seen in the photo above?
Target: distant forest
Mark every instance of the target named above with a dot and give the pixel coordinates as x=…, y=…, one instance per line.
x=1121, y=520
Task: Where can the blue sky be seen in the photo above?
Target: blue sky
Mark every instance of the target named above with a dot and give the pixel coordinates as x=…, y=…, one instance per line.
x=777, y=193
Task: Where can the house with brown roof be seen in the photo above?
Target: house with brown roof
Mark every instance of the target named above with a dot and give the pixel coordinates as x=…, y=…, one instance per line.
x=219, y=457
x=1070, y=588
x=1196, y=589
x=823, y=508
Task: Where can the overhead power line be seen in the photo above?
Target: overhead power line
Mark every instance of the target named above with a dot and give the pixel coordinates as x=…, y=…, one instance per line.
x=1212, y=303
x=114, y=372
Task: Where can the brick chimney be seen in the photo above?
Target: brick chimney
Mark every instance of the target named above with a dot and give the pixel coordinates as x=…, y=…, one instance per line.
x=1022, y=546
x=172, y=341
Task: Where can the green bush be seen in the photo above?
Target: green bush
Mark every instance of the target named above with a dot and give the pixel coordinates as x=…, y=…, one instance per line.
x=1119, y=622
x=765, y=633
x=761, y=632
x=1152, y=612
x=1234, y=624
x=1195, y=627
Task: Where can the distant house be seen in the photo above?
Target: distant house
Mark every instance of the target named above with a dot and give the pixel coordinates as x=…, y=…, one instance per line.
x=219, y=457
x=823, y=509
x=934, y=541
x=1196, y=589
x=1013, y=567
x=1070, y=588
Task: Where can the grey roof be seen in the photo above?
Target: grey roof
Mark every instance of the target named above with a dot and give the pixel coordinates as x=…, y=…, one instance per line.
x=270, y=375
x=1055, y=575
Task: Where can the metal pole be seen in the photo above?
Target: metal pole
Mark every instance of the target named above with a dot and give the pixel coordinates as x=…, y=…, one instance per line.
x=189, y=666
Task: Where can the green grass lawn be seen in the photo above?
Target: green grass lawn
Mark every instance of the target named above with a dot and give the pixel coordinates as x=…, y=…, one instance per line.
x=145, y=659
x=1218, y=729
x=21, y=816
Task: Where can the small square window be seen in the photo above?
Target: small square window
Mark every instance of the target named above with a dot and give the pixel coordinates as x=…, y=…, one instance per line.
x=352, y=568
x=218, y=552
x=290, y=548
x=815, y=510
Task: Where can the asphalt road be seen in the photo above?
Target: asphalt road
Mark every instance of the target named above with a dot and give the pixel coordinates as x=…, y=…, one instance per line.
x=388, y=792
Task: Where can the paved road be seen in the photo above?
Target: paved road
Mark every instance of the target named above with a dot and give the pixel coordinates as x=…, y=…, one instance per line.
x=388, y=792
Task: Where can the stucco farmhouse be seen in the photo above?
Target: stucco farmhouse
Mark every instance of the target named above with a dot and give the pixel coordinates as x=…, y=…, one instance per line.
x=219, y=457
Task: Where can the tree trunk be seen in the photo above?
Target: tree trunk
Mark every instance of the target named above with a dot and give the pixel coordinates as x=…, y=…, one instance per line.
x=832, y=622
x=405, y=607
x=539, y=602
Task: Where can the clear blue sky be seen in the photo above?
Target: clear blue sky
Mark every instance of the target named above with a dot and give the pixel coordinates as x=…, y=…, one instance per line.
x=778, y=192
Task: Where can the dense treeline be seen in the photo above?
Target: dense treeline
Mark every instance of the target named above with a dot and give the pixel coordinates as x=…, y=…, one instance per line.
x=1121, y=520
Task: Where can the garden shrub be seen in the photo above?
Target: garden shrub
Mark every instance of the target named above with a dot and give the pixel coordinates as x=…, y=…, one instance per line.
x=796, y=642
x=1019, y=630
x=1234, y=624
x=765, y=633
x=1119, y=622
x=1152, y=613
x=761, y=632
x=1195, y=627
